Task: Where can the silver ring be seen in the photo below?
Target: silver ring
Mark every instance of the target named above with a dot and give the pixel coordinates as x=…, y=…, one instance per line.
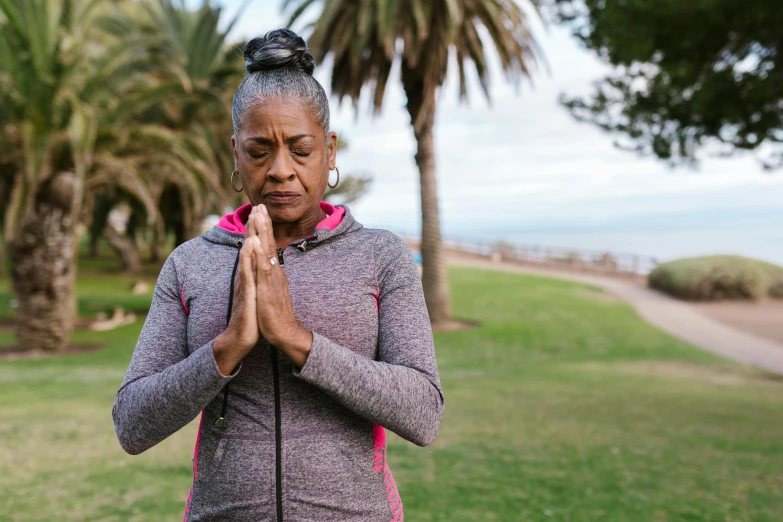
x=272, y=260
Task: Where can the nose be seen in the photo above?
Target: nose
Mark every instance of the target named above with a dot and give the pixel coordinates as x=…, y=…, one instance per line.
x=282, y=167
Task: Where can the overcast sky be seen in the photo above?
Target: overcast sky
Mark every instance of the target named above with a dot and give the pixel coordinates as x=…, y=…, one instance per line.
x=524, y=164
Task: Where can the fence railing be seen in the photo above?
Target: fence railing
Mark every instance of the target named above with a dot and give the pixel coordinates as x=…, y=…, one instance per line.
x=571, y=259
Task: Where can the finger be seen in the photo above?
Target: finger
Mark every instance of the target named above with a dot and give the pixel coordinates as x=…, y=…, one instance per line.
x=251, y=223
x=246, y=272
x=248, y=284
x=263, y=266
x=266, y=233
x=270, y=230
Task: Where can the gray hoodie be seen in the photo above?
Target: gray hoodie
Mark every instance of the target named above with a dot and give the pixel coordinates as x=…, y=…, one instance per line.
x=294, y=446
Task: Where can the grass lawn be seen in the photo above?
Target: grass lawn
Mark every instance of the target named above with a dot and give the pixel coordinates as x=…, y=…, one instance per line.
x=563, y=405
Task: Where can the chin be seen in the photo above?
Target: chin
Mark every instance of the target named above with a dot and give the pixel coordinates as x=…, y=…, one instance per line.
x=284, y=213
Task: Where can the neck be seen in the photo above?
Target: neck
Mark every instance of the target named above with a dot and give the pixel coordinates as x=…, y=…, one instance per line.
x=285, y=233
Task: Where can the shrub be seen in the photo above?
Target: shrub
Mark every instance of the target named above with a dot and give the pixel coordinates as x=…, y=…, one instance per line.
x=776, y=290
x=714, y=278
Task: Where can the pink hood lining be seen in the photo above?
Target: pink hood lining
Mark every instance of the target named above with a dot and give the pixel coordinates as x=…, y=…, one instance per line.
x=235, y=222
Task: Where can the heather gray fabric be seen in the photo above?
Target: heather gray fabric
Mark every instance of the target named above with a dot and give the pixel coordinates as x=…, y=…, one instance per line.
x=369, y=367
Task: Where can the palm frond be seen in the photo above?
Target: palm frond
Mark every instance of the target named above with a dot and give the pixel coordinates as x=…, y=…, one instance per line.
x=361, y=36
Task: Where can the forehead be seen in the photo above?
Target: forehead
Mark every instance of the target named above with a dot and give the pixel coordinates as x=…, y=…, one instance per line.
x=284, y=116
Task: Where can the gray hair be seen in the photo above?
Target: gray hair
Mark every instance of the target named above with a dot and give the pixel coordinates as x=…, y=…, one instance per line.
x=279, y=66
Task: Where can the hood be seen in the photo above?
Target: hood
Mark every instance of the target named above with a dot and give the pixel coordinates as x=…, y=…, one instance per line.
x=231, y=227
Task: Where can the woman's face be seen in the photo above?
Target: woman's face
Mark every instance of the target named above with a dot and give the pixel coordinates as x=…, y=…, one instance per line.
x=282, y=156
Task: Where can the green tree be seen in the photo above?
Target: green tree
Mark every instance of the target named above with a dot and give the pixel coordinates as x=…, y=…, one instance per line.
x=58, y=80
x=182, y=118
x=690, y=77
x=125, y=103
x=366, y=37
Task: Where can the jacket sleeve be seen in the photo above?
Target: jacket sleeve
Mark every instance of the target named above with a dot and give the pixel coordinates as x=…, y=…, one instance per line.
x=164, y=388
x=401, y=390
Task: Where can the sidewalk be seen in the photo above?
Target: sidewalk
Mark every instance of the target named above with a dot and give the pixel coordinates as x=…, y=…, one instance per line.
x=670, y=315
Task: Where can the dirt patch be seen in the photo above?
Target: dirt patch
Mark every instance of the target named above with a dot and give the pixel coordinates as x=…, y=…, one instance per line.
x=19, y=352
x=686, y=370
x=454, y=326
x=762, y=319
x=81, y=323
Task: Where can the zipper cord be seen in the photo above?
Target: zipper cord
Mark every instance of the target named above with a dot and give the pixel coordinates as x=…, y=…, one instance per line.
x=219, y=421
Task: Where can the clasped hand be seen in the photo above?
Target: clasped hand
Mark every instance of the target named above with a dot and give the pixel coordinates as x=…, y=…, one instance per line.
x=262, y=304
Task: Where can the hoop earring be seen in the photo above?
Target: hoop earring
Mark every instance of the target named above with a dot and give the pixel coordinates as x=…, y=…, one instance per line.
x=338, y=179
x=241, y=188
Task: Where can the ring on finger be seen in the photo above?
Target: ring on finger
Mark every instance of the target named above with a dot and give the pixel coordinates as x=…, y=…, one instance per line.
x=272, y=260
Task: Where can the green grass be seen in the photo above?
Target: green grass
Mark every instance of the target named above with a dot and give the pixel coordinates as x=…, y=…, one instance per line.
x=562, y=405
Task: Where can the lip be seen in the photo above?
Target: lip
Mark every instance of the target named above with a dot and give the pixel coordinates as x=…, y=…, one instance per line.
x=282, y=197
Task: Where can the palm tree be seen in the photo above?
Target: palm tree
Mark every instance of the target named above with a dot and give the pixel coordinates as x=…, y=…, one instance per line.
x=124, y=100
x=58, y=80
x=172, y=136
x=366, y=37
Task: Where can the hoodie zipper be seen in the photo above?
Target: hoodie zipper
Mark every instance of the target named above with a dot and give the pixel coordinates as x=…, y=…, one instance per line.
x=276, y=380
x=278, y=449
x=278, y=427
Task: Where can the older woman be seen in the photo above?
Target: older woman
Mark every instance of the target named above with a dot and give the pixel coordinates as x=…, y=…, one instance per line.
x=298, y=334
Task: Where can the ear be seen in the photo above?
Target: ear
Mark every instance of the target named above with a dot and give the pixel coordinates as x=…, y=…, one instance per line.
x=234, y=152
x=331, y=149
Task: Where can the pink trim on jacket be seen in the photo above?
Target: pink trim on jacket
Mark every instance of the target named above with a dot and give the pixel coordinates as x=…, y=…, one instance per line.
x=184, y=305
x=380, y=465
x=189, y=500
x=198, y=443
x=235, y=222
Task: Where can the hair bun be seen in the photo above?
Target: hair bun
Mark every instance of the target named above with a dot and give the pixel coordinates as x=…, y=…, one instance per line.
x=278, y=49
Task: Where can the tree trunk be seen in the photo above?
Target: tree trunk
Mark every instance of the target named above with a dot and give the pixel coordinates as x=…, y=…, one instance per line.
x=3, y=258
x=159, y=239
x=43, y=254
x=95, y=246
x=124, y=247
x=158, y=242
x=434, y=282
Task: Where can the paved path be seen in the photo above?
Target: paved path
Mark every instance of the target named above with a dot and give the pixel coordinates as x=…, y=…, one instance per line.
x=670, y=315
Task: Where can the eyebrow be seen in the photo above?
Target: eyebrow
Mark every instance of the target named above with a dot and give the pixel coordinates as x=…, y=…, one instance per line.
x=267, y=141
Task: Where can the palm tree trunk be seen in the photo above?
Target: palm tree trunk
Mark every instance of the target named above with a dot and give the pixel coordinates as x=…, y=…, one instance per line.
x=3, y=258
x=43, y=258
x=434, y=282
x=158, y=241
x=95, y=246
x=124, y=247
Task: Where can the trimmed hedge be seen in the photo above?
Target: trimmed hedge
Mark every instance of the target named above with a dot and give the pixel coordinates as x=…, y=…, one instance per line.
x=714, y=278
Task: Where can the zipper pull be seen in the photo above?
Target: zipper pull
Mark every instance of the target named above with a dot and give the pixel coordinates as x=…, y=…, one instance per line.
x=303, y=245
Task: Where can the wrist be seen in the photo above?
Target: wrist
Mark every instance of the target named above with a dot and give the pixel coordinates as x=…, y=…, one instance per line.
x=297, y=345
x=225, y=357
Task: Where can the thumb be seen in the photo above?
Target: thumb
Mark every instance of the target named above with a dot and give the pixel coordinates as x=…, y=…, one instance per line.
x=247, y=270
